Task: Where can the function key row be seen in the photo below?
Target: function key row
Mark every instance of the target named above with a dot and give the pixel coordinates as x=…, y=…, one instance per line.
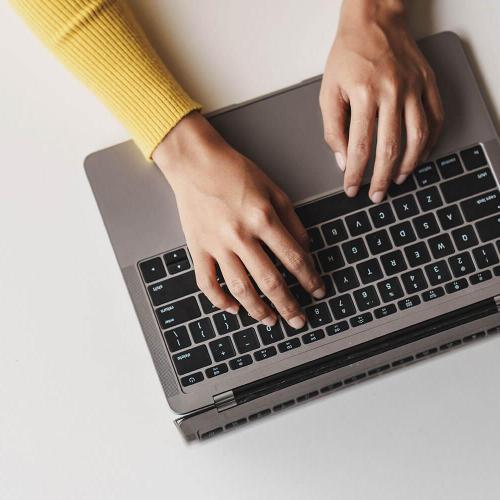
x=156, y=268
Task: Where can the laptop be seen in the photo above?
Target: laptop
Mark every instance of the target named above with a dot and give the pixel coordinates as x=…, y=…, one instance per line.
x=407, y=279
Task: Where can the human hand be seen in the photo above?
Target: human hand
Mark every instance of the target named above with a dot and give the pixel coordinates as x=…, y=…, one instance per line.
x=375, y=71
x=229, y=208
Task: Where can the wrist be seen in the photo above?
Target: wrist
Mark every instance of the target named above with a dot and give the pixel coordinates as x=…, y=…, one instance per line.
x=385, y=13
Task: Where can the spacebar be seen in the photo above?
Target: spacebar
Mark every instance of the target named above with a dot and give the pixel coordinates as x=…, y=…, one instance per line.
x=332, y=207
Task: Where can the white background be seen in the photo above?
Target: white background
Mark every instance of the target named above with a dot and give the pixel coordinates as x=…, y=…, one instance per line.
x=82, y=414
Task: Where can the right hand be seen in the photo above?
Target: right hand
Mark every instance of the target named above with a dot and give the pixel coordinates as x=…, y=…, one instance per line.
x=229, y=209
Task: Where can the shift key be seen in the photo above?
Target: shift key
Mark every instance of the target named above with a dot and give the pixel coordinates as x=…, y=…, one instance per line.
x=467, y=185
x=178, y=312
x=192, y=359
x=489, y=229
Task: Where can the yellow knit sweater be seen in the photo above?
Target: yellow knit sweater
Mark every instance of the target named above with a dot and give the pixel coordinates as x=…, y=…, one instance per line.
x=103, y=45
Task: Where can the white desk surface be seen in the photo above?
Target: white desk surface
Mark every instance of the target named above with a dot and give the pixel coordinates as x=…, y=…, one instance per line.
x=82, y=414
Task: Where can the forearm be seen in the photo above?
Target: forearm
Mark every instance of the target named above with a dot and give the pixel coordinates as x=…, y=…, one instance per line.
x=384, y=12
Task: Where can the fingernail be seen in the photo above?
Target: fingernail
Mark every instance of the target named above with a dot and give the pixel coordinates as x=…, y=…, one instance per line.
x=269, y=320
x=351, y=191
x=319, y=293
x=339, y=158
x=233, y=309
x=400, y=179
x=377, y=197
x=297, y=322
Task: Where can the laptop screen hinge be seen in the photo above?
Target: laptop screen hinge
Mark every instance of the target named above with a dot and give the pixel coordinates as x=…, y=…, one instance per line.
x=224, y=400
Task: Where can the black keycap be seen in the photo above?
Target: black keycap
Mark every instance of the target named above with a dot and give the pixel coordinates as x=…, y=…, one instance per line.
x=417, y=254
x=337, y=328
x=406, y=207
x=393, y=262
x=414, y=281
x=358, y=223
x=342, y=306
x=464, y=237
x=382, y=215
x=407, y=186
x=240, y=362
x=201, y=330
x=334, y=232
x=402, y=234
x=485, y=256
x=496, y=270
x=441, y=246
x=433, y=294
x=246, y=340
x=331, y=259
x=192, y=359
x=481, y=206
x=177, y=339
x=426, y=174
x=245, y=318
x=429, y=198
x=468, y=185
x=270, y=334
x=289, y=278
x=178, y=267
x=175, y=256
x=178, y=312
x=384, y=311
x=206, y=305
x=293, y=331
x=475, y=279
x=366, y=298
x=215, y=371
x=355, y=250
x=315, y=239
x=329, y=288
x=461, y=264
x=302, y=297
x=345, y=279
x=390, y=289
x=489, y=229
x=267, y=352
x=152, y=270
x=456, y=286
x=426, y=225
x=450, y=217
x=379, y=242
x=173, y=288
x=194, y=378
x=409, y=302
x=369, y=271
x=449, y=166
x=314, y=336
x=318, y=315
x=288, y=345
x=361, y=319
x=225, y=322
x=222, y=349
x=473, y=157
x=438, y=272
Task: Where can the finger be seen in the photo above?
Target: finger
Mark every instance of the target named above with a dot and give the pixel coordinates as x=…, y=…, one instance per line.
x=334, y=109
x=417, y=135
x=206, y=279
x=363, y=111
x=434, y=109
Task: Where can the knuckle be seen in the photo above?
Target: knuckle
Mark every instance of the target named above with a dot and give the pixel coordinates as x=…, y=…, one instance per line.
x=295, y=260
x=271, y=283
x=239, y=288
x=260, y=216
x=282, y=199
x=390, y=150
x=364, y=92
x=419, y=135
x=361, y=148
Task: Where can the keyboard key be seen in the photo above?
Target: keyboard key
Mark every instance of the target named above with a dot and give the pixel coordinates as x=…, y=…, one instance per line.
x=426, y=174
x=240, y=362
x=331, y=259
x=426, y=225
x=496, y=270
x=441, y=246
x=318, y=315
x=485, y=256
x=475, y=279
x=177, y=339
x=402, y=234
x=289, y=278
x=302, y=297
x=409, y=302
x=461, y=264
x=382, y=215
x=385, y=311
x=429, y=198
x=489, y=229
x=361, y=319
x=342, y=306
x=246, y=340
x=438, y=272
x=314, y=336
x=393, y=262
x=414, y=281
x=417, y=254
x=206, y=305
x=215, y=371
x=369, y=271
x=288, y=345
x=345, y=279
x=407, y=186
x=245, y=318
x=406, y=207
x=464, y=237
x=178, y=267
x=267, y=352
x=175, y=256
x=433, y=294
x=366, y=298
x=192, y=359
x=449, y=166
x=481, y=206
x=194, y=378
x=337, y=328
x=473, y=157
x=450, y=217
x=456, y=286
x=178, y=312
x=270, y=334
x=358, y=223
x=201, y=330
x=152, y=270
x=225, y=322
x=222, y=349
x=468, y=185
x=355, y=250
x=315, y=239
x=390, y=289
x=379, y=242
x=173, y=288
x=334, y=232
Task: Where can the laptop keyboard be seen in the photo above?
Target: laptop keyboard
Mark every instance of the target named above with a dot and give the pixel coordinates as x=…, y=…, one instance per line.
x=434, y=235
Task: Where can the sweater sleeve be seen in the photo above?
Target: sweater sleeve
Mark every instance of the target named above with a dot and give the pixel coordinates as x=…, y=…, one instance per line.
x=103, y=45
